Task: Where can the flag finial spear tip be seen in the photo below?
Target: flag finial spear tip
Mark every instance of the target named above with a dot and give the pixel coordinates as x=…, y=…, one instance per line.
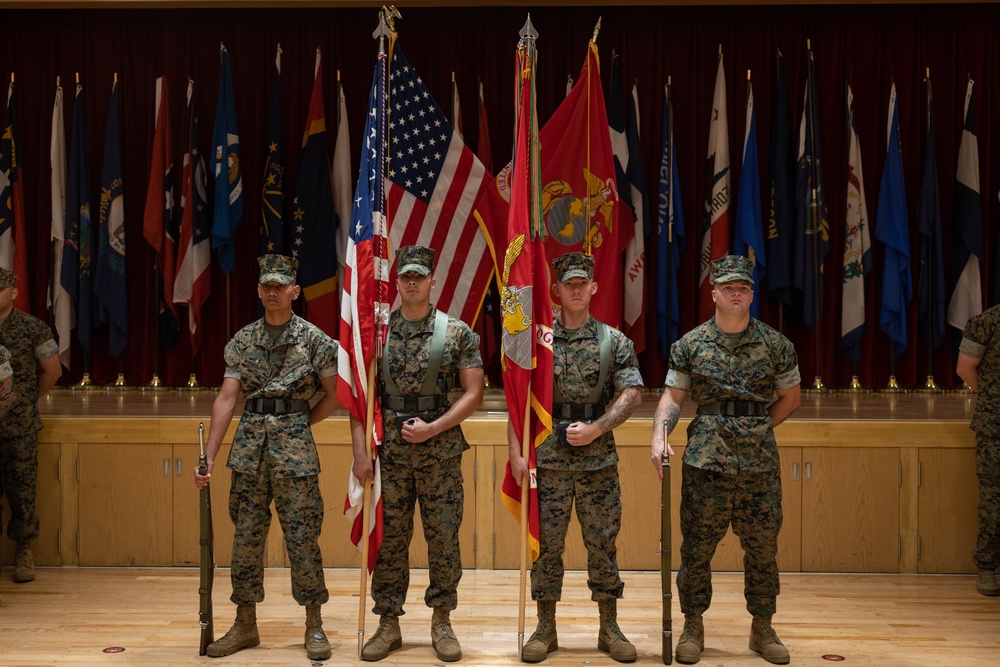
x=808, y=44
x=528, y=29
x=597, y=29
x=57, y=80
x=382, y=31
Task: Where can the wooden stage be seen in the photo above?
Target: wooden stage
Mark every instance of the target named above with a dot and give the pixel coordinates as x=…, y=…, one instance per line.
x=68, y=616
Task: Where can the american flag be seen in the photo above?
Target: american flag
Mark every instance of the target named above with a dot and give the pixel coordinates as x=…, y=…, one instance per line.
x=193, y=282
x=364, y=307
x=435, y=185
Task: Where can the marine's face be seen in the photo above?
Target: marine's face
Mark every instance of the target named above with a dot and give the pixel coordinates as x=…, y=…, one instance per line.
x=733, y=298
x=575, y=294
x=415, y=288
x=7, y=296
x=277, y=297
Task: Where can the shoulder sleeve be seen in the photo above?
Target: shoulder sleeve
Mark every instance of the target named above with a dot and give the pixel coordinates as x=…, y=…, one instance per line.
x=626, y=364
x=785, y=358
x=324, y=357
x=679, y=370
x=232, y=355
x=466, y=343
x=979, y=332
x=44, y=344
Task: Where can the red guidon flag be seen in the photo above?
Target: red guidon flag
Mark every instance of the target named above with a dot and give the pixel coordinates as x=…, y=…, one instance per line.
x=525, y=303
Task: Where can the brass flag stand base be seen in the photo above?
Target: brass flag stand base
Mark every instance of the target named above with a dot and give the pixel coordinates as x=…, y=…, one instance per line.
x=119, y=383
x=86, y=383
x=892, y=388
x=964, y=389
x=193, y=384
x=855, y=387
x=930, y=387
x=818, y=387
x=154, y=383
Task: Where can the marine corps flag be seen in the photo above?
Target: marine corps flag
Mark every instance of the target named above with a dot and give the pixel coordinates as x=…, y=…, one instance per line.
x=579, y=197
x=524, y=297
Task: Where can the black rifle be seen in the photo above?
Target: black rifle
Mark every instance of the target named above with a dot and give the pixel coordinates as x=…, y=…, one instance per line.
x=665, y=557
x=207, y=551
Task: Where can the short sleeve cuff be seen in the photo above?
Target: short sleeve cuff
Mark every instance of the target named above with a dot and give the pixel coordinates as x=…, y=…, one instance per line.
x=233, y=373
x=972, y=349
x=46, y=350
x=678, y=380
x=788, y=380
x=327, y=372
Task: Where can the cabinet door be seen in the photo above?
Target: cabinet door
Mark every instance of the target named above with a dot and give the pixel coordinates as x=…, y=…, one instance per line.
x=947, y=496
x=126, y=516
x=850, y=509
x=48, y=499
x=335, y=542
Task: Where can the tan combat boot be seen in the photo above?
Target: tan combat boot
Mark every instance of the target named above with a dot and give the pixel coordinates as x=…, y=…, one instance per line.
x=24, y=564
x=764, y=640
x=610, y=638
x=242, y=635
x=544, y=640
x=986, y=583
x=385, y=640
x=443, y=637
x=692, y=641
x=317, y=645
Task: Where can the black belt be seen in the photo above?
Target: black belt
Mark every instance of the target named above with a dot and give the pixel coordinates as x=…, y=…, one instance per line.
x=576, y=411
x=413, y=404
x=734, y=409
x=276, y=406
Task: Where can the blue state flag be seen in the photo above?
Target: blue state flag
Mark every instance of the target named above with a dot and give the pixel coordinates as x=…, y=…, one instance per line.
x=110, y=283
x=930, y=277
x=225, y=164
x=670, y=234
x=77, y=266
x=891, y=228
x=749, y=238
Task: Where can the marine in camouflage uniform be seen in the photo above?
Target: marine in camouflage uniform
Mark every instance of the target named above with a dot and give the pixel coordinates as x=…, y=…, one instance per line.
x=29, y=346
x=278, y=363
x=979, y=365
x=732, y=366
x=578, y=463
x=420, y=457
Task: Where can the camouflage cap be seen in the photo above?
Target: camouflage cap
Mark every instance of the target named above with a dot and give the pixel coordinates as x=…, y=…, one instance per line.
x=415, y=258
x=732, y=267
x=7, y=279
x=277, y=269
x=574, y=265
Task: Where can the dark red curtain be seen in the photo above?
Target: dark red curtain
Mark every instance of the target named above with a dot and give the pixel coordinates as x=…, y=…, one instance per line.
x=867, y=46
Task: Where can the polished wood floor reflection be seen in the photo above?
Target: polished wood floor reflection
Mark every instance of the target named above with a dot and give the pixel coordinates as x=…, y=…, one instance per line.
x=69, y=616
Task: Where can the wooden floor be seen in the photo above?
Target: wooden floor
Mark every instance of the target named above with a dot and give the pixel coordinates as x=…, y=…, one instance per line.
x=68, y=616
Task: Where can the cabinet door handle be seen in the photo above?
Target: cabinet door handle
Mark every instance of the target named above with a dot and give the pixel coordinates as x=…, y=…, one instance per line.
x=809, y=471
x=177, y=467
x=166, y=467
x=795, y=472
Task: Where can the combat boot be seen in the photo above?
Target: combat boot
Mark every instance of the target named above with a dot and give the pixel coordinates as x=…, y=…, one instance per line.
x=986, y=583
x=317, y=645
x=764, y=640
x=24, y=564
x=544, y=640
x=242, y=635
x=610, y=638
x=443, y=637
x=692, y=641
x=385, y=640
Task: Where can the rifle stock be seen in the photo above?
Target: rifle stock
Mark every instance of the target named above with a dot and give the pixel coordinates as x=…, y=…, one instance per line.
x=665, y=558
x=207, y=552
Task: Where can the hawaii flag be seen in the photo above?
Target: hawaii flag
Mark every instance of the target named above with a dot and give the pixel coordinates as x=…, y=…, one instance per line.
x=527, y=308
x=364, y=313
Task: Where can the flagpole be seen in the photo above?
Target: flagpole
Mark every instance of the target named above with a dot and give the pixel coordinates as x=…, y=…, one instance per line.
x=930, y=385
x=525, y=485
x=817, y=384
x=586, y=188
x=670, y=202
x=366, y=507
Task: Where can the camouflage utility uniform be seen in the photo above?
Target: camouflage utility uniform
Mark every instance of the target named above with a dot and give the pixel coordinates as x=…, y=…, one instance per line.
x=731, y=471
x=6, y=381
x=28, y=340
x=981, y=340
x=274, y=456
x=588, y=475
x=430, y=471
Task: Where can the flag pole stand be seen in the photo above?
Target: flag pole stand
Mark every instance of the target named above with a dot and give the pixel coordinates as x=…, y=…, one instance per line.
x=86, y=383
x=892, y=387
x=929, y=387
x=964, y=389
x=193, y=383
x=154, y=383
x=817, y=386
x=855, y=387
